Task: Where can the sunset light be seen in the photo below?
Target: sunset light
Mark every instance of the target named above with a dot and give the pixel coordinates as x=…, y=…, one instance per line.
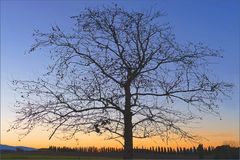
x=129, y=75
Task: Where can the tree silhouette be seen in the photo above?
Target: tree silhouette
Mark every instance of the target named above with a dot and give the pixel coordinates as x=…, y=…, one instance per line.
x=200, y=151
x=120, y=72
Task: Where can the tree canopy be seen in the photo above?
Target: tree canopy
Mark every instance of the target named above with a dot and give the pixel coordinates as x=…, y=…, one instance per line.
x=121, y=72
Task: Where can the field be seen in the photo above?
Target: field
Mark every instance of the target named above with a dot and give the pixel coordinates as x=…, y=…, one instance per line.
x=11, y=156
x=14, y=156
x=50, y=156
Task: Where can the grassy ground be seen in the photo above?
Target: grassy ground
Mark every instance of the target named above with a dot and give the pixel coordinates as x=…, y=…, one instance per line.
x=9, y=156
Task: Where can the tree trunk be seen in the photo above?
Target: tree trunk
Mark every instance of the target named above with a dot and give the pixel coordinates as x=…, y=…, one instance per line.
x=128, y=139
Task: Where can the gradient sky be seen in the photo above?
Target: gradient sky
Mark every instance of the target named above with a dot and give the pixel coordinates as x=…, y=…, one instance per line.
x=214, y=22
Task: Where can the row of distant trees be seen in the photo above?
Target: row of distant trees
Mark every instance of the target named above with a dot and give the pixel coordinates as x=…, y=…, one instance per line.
x=164, y=150
x=136, y=149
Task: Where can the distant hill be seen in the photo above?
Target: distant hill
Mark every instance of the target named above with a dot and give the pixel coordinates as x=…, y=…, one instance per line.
x=15, y=148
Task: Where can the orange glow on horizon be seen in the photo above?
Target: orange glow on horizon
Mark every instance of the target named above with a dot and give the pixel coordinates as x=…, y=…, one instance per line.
x=39, y=139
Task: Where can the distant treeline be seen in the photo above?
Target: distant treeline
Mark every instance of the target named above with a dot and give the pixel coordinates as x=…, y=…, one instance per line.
x=136, y=149
x=224, y=151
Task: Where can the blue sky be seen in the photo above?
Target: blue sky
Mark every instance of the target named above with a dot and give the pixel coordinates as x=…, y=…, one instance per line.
x=214, y=22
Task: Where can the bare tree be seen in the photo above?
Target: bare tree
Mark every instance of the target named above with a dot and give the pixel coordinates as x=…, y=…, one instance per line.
x=119, y=72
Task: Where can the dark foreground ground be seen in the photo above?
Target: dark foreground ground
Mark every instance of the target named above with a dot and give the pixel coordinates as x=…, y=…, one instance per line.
x=96, y=156
x=20, y=156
